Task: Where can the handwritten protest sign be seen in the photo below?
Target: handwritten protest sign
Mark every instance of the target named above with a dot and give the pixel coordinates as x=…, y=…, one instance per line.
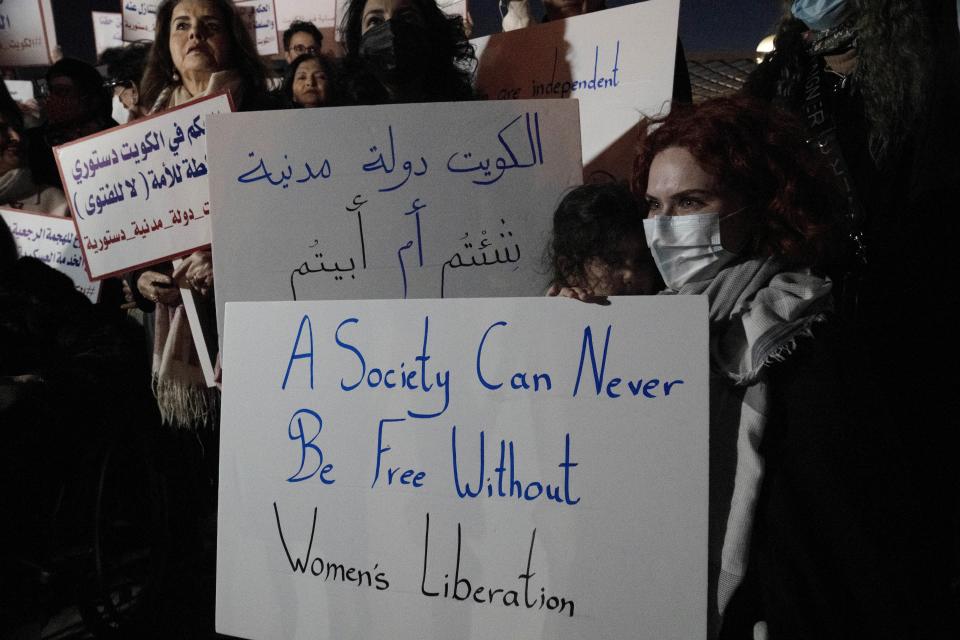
x=261, y=20
x=20, y=90
x=618, y=63
x=451, y=469
x=139, y=20
x=107, y=30
x=140, y=192
x=397, y=201
x=24, y=34
x=54, y=242
x=322, y=13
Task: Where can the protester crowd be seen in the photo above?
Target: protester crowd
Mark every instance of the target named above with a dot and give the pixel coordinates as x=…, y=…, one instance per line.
x=818, y=224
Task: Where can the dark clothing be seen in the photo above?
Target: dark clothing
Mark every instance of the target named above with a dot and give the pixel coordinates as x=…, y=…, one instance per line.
x=836, y=549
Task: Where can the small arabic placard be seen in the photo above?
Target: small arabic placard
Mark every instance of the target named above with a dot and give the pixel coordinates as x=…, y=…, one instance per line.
x=260, y=17
x=431, y=469
x=23, y=34
x=54, y=242
x=399, y=201
x=140, y=193
x=139, y=20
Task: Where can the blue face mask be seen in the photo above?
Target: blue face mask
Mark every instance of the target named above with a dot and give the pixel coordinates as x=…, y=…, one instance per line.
x=820, y=15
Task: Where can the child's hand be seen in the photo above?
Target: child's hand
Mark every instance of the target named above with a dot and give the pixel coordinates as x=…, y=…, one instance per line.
x=577, y=293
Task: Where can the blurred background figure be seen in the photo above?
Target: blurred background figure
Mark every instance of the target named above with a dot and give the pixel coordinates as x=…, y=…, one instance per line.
x=598, y=247
x=300, y=38
x=310, y=81
x=405, y=51
x=76, y=104
x=18, y=190
x=124, y=68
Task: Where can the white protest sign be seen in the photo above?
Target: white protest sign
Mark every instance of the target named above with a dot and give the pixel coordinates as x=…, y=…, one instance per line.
x=24, y=34
x=401, y=201
x=263, y=18
x=321, y=13
x=451, y=469
x=20, y=90
x=453, y=7
x=618, y=63
x=107, y=30
x=139, y=20
x=140, y=192
x=54, y=242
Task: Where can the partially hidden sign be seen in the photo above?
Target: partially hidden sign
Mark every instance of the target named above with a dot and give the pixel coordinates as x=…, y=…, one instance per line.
x=404, y=201
x=107, y=30
x=470, y=469
x=139, y=20
x=140, y=193
x=260, y=18
x=322, y=13
x=24, y=32
x=53, y=241
x=618, y=63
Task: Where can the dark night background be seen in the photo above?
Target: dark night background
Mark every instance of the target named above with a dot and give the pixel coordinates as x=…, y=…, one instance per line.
x=706, y=26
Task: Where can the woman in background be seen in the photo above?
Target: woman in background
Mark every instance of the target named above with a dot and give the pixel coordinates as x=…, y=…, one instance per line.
x=405, y=51
x=310, y=81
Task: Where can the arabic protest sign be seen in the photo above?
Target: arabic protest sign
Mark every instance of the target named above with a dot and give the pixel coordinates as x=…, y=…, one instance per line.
x=139, y=20
x=448, y=469
x=140, y=192
x=107, y=30
x=618, y=63
x=261, y=20
x=397, y=201
x=54, y=242
x=322, y=13
x=20, y=90
x=24, y=34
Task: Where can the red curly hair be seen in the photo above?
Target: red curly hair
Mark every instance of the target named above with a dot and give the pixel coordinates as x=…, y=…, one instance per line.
x=758, y=154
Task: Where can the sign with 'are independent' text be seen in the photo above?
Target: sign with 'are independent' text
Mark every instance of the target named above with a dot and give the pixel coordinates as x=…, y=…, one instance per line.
x=140, y=193
x=618, y=63
x=475, y=468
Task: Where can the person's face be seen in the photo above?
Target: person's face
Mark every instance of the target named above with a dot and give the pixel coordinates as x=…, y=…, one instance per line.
x=64, y=103
x=310, y=84
x=679, y=186
x=198, y=38
x=634, y=273
x=379, y=11
x=11, y=151
x=300, y=43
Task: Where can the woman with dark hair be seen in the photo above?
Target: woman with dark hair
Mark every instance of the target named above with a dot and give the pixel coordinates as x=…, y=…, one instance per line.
x=405, y=51
x=809, y=532
x=598, y=247
x=18, y=189
x=310, y=81
x=201, y=47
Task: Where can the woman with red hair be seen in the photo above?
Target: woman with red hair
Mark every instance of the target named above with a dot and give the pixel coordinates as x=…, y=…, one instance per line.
x=803, y=533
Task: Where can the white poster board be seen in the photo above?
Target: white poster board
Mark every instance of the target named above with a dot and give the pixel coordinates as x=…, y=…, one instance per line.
x=399, y=201
x=107, y=30
x=618, y=63
x=139, y=20
x=262, y=17
x=20, y=90
x=53, y=241
x=24, y=34
x=140, y=192
x=515, y=482
x=321, y=13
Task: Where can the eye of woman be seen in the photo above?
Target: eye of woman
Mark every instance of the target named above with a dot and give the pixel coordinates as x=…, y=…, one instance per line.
x=212, y=25
x=373, y=20
x=653, y=204
x=181, y=24
x=688, y=202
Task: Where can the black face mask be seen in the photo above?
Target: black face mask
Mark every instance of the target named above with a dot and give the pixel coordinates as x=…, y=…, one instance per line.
x=399, y=49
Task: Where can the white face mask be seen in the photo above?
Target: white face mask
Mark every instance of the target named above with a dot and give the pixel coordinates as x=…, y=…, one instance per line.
x=687, y=248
